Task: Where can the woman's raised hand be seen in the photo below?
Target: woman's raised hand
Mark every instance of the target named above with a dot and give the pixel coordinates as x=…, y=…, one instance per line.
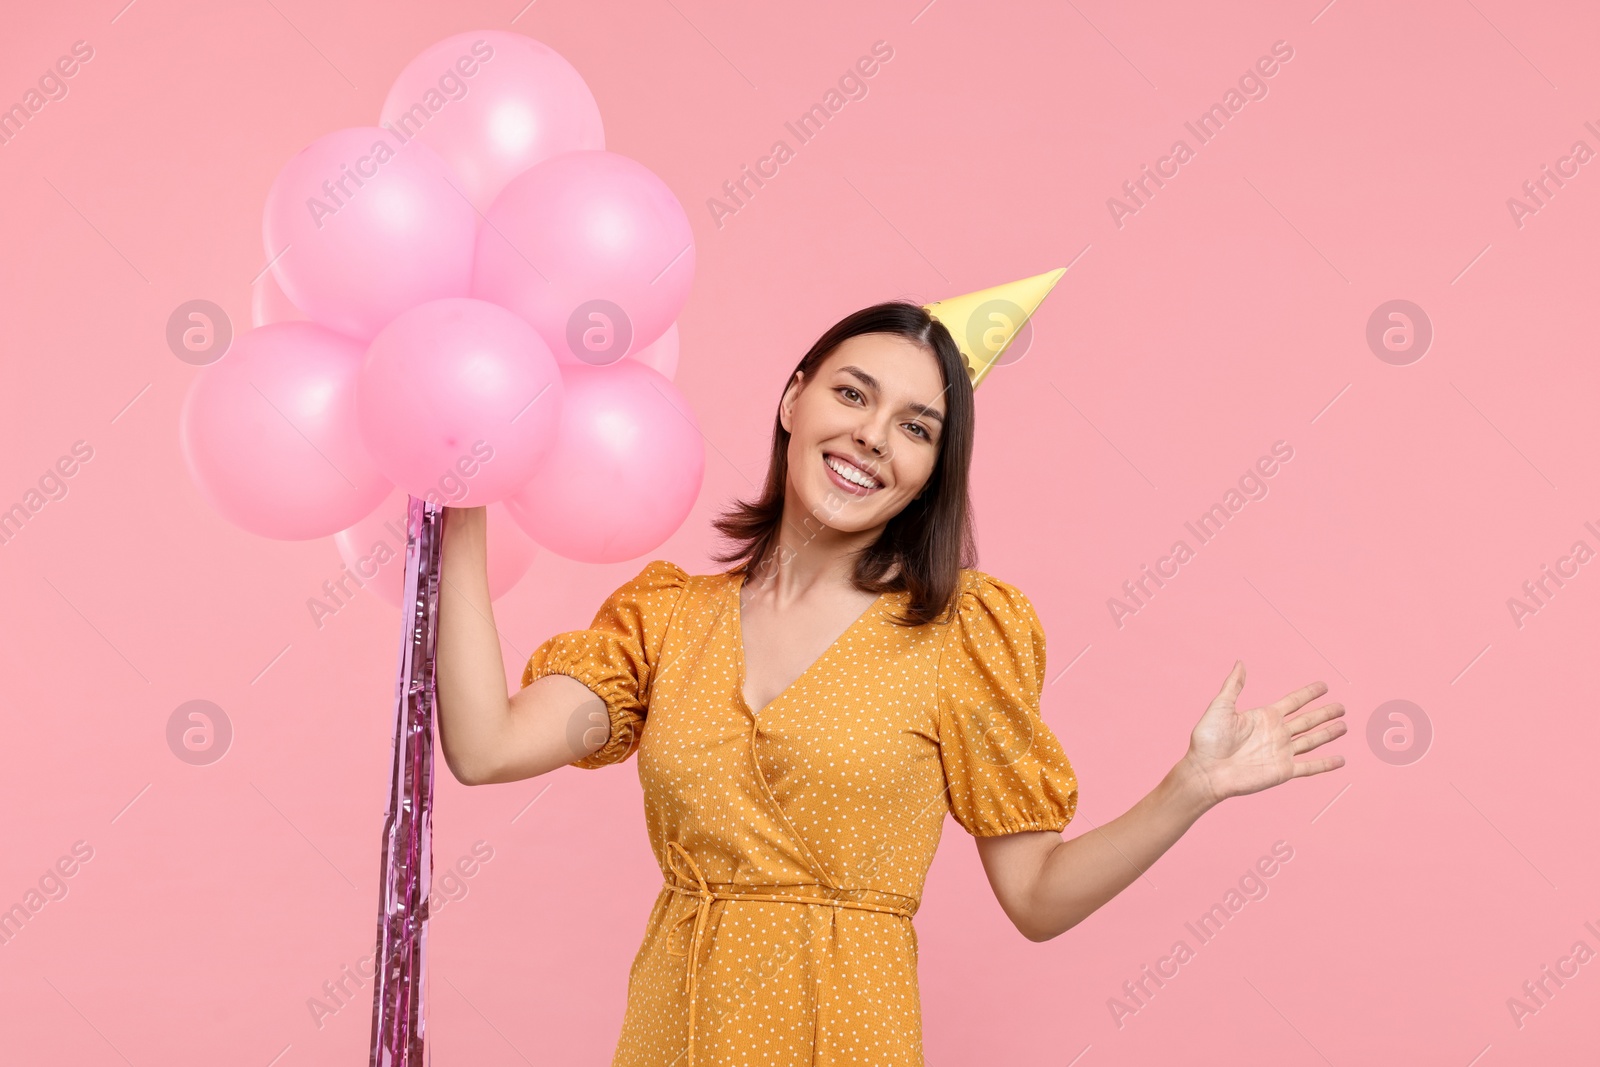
x=1234, y=752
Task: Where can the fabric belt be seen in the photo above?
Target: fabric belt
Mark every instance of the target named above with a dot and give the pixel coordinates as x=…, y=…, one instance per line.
x=706, y=892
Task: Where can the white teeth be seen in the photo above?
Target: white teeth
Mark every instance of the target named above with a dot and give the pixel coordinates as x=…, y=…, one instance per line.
x=849, y=473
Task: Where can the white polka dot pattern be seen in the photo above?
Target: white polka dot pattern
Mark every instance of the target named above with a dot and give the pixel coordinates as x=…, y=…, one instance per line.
x=832, y=799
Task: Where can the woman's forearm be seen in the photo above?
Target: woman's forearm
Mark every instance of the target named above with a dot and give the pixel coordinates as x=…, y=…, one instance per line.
x=1047, y=885
x=1078, y=875
x=472, y=702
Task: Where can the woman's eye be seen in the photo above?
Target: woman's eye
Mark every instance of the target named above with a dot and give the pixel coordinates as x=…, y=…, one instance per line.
x=851, y=392
x=918, y=427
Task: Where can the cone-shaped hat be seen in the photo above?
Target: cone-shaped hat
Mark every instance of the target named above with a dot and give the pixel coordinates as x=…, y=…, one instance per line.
x=986, y=322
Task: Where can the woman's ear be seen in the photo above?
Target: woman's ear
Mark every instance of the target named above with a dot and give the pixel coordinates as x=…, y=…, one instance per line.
x=786, y=404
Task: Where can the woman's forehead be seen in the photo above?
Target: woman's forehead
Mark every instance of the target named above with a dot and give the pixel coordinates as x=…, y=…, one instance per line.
x=886, y=362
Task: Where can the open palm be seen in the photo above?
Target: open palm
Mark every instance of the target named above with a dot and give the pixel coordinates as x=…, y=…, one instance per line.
x=1238, y=752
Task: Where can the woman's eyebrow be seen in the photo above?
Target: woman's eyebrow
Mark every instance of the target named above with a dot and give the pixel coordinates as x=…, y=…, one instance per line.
x=868, y=380
x=872, y=383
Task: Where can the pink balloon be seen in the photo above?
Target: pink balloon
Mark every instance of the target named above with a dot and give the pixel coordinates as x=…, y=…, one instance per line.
x=269, y=305
x=661, y=355
x=593, y=249
x=374, y=550
x=368, y=225
x=493, y=103
x=269, y=433
x=459, y=397
x=625, y=470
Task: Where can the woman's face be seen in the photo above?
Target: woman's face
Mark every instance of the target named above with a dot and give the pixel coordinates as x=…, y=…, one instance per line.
x=871, y=413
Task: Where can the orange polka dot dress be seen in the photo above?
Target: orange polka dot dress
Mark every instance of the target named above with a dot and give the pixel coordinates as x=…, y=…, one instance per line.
x=794, y=842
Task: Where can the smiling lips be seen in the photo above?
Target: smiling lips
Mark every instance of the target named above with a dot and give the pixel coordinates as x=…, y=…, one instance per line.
x=849, y=476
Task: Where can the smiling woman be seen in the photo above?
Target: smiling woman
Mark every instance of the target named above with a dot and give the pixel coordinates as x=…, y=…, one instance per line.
x=867, y=404
x=806, y=720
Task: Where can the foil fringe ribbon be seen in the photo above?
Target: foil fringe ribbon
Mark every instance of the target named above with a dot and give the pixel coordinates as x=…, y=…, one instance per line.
x=399, y=1003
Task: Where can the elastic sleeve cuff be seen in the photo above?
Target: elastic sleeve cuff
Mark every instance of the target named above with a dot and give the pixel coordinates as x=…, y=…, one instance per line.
x=574, y=655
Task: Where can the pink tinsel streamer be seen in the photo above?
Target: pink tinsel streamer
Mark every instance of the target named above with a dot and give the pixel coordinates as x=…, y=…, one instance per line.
x=399, y=1010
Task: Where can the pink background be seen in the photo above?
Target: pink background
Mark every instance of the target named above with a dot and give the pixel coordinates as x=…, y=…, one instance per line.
x=1227, y=314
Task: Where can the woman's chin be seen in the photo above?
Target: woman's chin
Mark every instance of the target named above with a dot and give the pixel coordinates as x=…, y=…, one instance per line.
x=843, y=513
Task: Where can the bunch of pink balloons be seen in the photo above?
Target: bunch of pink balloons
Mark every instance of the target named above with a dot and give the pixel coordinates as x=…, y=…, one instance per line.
x=472, y=302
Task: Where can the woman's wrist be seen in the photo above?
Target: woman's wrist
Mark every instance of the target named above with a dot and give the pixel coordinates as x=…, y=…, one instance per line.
x=1191, y=788
x=468, y=519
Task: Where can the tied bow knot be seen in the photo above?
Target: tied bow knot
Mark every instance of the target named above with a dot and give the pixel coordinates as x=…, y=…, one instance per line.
x=702, y=912
x=829, y=896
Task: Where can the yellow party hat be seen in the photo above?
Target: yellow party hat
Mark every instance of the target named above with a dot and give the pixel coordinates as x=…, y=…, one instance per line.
x=986, y=322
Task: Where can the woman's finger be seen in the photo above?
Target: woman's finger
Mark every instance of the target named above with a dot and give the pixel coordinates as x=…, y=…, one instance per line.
x=1304, y=720
x=1318, y=738
x=1233, y=684
x=1299, y=697
x=1317, y=766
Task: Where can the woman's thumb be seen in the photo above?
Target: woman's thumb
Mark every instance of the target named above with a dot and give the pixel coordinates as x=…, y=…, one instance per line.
x=1233, y=684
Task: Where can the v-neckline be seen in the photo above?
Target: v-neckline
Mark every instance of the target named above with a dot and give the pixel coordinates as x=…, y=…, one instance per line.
x=737, y=587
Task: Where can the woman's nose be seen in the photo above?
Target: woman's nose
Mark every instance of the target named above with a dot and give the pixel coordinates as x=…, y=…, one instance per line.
x=872, y=436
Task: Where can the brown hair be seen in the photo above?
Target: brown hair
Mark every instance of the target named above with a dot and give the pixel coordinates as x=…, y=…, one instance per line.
x=931, y=537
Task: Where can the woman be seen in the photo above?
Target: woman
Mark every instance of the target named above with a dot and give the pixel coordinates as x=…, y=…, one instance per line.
x=805, y=719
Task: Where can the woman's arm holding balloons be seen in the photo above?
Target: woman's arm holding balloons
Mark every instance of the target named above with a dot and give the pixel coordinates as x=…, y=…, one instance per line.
x=486, y=735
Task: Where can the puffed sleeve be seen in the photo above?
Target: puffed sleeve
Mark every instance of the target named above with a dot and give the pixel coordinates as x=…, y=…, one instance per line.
x=617, y=655
x=1005, y=769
